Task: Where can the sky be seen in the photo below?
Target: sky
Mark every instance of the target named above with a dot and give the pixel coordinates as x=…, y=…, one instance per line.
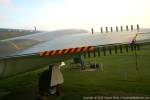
x=65, y=14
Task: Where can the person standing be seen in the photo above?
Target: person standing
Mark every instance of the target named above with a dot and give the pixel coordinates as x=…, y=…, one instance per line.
x=56, y=81
x=50, y=82
x=43, y=84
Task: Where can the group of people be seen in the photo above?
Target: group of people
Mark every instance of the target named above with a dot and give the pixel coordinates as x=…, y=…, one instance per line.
x=50, y=80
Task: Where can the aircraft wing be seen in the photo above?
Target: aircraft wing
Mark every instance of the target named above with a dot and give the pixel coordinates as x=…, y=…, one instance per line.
x=37, y=50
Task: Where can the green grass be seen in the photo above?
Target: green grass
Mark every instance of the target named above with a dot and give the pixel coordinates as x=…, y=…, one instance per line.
x=7, y=34
x=119, y=78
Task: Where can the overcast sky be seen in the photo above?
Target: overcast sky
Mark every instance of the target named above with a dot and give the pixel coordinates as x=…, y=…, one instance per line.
x=63, y=14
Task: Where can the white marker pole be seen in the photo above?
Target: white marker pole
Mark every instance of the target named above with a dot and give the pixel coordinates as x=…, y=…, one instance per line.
x=101, y=67
x=92, y=30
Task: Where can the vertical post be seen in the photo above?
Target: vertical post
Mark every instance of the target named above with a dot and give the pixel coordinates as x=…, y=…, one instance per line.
x=117, y=28
x=115, y=49
x=89, y=54
x=101, y=67
x=132, y=47
x=84, y=55
x=106, y=29
x=127, y=48
x=92, y=30
x=127, y=28
x=94, y=53
x=101, y=30
x=120, y=48
x=34, y=28
x=138, y=27
x=135, y=46
x=111, y=29
x=104, y=51
x=121, y=28
x=138, y=47
x=99, y=53
x=110, y=52
x=132, y=27
x=136, y=56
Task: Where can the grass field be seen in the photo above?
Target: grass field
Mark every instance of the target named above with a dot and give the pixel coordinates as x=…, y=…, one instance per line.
x=118, y=78
x=7, y=34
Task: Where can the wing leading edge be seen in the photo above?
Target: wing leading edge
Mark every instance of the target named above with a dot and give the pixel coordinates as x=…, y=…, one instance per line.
x=37, y=52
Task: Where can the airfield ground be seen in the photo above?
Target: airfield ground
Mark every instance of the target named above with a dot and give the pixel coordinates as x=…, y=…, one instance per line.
x=118, y=78
x=4, y=33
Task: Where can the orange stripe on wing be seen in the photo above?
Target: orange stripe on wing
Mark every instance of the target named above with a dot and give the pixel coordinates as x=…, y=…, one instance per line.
x=85, y=49
x=57, y=51
x=42, y=53
x=92, y=48
x=78, y=49
x=63, y=51
x=66, y=50
x=70, y=50
x=48, y=53
x=60, y=52
x=53, y=52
